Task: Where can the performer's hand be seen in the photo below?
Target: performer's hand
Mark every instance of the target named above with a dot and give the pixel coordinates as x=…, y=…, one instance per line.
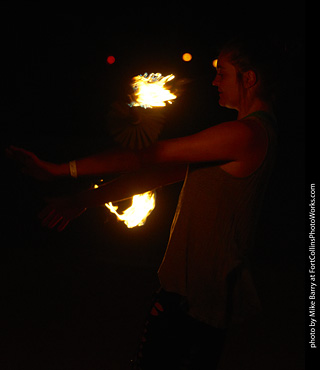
x=31, y=164
x=59, y=212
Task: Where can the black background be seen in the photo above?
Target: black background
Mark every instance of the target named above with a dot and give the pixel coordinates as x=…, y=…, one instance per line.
x=78, y=299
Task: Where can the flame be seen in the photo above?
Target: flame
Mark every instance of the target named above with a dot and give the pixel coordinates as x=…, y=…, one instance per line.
x=136, y=215
x=149, y=91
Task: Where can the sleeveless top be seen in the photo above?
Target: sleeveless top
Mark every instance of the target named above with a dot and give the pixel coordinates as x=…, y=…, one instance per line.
x=212, y=230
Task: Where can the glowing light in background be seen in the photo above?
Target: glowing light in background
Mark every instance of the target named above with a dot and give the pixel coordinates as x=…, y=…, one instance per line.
x=187, y=57
x=111, y=59
x=215, y=63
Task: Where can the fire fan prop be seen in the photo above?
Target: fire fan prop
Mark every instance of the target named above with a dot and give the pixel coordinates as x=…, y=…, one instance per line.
x=136, y=215
x=138, y=124
x=150, y=91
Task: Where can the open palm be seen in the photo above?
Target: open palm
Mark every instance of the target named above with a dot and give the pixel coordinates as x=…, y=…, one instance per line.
x=31, y=164
x=59, y=212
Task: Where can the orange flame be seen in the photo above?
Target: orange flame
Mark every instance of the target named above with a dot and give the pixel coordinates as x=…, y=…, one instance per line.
x=150, y=91
x=136, y=215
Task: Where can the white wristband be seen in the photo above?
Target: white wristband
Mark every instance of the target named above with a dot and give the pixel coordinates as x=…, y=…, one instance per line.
x=73, y=169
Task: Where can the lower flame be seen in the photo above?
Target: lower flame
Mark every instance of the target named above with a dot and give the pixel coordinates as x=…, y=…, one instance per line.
x=136, y=215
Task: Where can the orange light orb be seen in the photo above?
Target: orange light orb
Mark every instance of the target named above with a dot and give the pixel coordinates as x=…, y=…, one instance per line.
x=187, y=57
x=215, y=63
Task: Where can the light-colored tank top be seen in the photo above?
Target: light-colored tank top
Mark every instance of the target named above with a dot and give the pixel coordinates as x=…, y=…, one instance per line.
x=212, y=230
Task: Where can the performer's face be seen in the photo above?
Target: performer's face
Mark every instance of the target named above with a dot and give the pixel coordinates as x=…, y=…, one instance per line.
x=227, y=83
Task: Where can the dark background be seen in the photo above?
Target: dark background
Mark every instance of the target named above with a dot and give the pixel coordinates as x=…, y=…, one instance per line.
x=78, y=299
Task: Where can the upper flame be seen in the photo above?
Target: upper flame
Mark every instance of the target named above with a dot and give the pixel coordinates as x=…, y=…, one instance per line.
x=149, y=91
x=136, y=215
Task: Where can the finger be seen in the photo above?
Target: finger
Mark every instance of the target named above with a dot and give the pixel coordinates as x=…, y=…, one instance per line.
x=42, y=214
x=47, y=219
x=15, y=149
x=54, y=221
x=63, y=224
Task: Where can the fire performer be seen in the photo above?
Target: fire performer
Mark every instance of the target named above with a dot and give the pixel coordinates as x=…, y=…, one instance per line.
x=205, y=280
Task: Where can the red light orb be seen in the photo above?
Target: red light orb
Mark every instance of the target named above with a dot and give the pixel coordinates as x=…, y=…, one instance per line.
x=111, y=59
